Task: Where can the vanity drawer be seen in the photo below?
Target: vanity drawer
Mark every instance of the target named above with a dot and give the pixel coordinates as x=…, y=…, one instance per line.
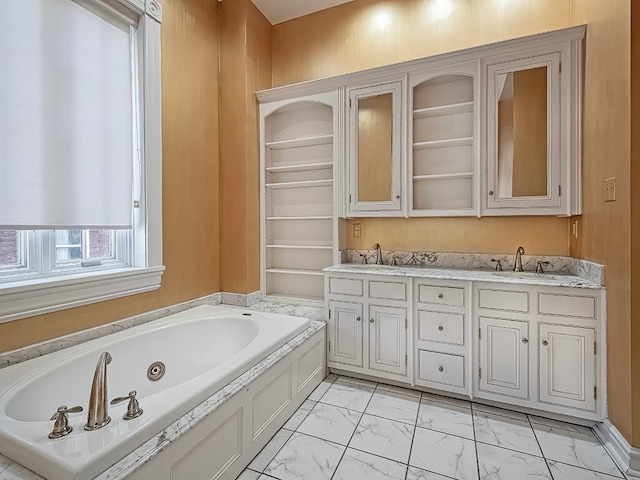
x=441, y=327
x=503, y=300
x=346, y=286
x=388, y=290
x=567, y=305
x=442, y=368
x=452, y=296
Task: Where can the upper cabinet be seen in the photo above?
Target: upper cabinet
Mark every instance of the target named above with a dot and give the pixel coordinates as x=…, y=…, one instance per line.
x=490, y=130
x=374, y=139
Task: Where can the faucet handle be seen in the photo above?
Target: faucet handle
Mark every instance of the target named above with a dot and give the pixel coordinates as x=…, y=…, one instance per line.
x=133, y=408
x=498, y=264
x=61, y=426
x=364, y=258
x=539, y=267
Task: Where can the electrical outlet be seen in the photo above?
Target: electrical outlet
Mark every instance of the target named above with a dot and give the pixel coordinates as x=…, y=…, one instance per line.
x=610, y=189
x=357, y=230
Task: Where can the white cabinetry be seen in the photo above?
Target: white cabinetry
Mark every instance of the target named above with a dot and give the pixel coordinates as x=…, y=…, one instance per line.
x=537, y=347
x=299, y=231
x=368, y=325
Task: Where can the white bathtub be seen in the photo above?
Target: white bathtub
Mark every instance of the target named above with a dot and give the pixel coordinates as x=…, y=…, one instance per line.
x=203, y=349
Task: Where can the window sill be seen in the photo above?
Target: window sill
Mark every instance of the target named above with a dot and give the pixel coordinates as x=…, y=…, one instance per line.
x=35, y=297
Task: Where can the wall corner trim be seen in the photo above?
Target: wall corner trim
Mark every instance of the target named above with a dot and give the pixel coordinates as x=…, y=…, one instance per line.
x=624, y=455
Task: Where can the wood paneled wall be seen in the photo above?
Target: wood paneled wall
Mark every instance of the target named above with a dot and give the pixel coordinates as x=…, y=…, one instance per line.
x=191, y=204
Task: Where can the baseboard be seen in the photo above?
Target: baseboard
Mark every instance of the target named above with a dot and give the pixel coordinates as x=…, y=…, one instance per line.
x=626, y=456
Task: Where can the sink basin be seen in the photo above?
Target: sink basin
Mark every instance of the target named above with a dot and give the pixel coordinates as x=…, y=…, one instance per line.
x=521, y=275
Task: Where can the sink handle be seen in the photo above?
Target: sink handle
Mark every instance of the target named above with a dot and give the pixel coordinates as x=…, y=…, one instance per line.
x=498, y=264
x=133, y=408
x=539, y=267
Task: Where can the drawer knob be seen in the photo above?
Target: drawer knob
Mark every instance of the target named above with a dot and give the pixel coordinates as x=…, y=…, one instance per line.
x=441, y=369
x=525, y=340
x=440, y=295
x=357, y=319
x=441, y=328
x=371, y=320
x=545, y=343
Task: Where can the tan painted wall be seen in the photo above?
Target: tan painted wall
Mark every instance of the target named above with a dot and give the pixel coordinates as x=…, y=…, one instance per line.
x=245, y=59
x=191, y=219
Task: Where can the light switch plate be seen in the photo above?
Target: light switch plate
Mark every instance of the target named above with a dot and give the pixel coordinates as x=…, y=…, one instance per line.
x=610, y=189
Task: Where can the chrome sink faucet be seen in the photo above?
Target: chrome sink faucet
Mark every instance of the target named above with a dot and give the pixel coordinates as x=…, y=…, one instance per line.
x=98, y=415
x=378, y=254
x=517, y=264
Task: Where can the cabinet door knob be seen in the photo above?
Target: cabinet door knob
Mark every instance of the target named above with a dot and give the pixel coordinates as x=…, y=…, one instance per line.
x=371, y=320
x=525, y=340
x=440, y=295
x=545, y=343
x=441, y=328
x=358, y=319
x=490, y=192
x=441, y=369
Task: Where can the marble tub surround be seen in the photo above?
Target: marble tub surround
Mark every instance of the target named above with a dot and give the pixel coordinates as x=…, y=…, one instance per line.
x=49, y=346
x=479, y=261
x=421, y=436
x=441, y=273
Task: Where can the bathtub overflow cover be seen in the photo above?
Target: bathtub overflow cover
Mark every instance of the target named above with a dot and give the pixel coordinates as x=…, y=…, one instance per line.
x=156, y=371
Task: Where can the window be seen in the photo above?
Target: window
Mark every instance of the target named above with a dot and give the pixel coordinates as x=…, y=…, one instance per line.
x=80, y=153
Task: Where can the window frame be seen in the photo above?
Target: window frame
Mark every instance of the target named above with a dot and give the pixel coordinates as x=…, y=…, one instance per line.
x=66, y=287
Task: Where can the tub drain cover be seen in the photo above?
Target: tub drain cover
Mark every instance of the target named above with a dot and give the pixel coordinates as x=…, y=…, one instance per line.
x=156, y=371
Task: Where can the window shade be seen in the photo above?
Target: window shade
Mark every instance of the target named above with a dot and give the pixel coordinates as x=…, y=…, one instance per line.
x=66, y=110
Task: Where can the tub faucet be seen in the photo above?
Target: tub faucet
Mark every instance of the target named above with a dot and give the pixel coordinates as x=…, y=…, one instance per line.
x=378, y=254
x=517, y=264
x=98, y=415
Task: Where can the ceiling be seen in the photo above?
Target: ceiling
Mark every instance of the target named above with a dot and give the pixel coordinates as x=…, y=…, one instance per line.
x=278, y=11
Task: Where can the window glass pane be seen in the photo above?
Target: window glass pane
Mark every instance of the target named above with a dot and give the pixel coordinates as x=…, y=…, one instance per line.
x=74, y=245
x=100, y=244
x=68, y=244
x=10, y=248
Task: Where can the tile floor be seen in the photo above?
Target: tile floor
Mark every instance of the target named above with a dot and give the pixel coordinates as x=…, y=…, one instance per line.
x=350, y=429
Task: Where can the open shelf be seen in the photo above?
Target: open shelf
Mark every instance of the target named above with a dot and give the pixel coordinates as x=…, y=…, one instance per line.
x=444, y=176
x=302, y=247
x=300, y=142
x=451, y=109
x=450, y=142
x=295, y=298
x=310, y=217
x=301, y=184
x=302, y=167
x=295, y=271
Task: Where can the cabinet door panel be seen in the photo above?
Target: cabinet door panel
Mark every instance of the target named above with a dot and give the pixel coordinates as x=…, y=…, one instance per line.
x=346, y=333
x=504, y=357
x=567, y=366
x=388, y=339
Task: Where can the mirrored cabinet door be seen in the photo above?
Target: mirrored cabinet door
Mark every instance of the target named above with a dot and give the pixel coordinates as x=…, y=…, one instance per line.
x=375, y=149
x=524, y=164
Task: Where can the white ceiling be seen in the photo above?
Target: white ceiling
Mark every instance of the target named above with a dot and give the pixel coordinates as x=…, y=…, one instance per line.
x=278, y=11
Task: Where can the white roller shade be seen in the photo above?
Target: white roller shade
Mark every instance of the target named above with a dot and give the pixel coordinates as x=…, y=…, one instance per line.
x=66, y=136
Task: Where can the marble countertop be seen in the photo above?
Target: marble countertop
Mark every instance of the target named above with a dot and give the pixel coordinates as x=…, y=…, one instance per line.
x=509, y=277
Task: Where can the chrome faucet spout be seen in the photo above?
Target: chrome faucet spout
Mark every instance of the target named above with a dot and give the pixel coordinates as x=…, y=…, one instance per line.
x=98, y=415
x=517, y=264
x=378, y=254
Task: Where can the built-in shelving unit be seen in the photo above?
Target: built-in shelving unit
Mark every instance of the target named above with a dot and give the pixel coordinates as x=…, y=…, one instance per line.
x=298, y=204
x=443, y=138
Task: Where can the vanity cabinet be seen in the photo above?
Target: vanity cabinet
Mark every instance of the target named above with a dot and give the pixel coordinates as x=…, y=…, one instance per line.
x=368, y=325
x=537, y=347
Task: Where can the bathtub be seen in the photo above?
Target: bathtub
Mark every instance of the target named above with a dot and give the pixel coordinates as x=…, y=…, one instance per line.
x=203, y=349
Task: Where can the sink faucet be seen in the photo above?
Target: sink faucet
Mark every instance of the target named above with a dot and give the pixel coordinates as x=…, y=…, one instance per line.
x=517, y=264
x=98, y=415
x=378, y=254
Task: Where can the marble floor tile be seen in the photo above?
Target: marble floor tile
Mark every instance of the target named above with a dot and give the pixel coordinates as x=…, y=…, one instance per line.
x=260, y=462
x=249, y=475
x=401, y=390
x=448, y=400
x=499, y=464
x=383, y=437
x=305, y=458
x=348, y=395
x=444, y=454
x=479, y=407
x=562, y=471
x=573, y=448
x=357, y=381
x=335, y=424
x=360, y=465
x=394, y=406
x=414, y=473
x=4, y=462
x=299, y=415
x=321, y=389
x=15, y=471
x=446, y=418
x=506, y=432
x=558, y=424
